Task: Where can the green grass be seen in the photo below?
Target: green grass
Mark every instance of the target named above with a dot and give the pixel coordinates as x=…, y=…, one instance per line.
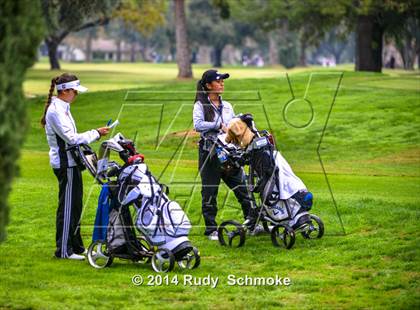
x=370, y=151
x=114, y=76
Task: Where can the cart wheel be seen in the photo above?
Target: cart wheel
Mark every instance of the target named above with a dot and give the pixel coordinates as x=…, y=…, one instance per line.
x=163, y=260
x=146, y=247
x=283, y=236
x=268, y=227
x=314, y=229
x=191, y=260
x=98, y=255
x=231, y=233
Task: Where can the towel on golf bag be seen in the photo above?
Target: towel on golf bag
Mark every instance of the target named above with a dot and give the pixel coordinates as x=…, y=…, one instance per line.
x=102, y=214
x=289, y=183
x=286, y=188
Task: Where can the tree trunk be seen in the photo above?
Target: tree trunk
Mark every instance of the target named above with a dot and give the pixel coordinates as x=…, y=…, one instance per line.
x=182, y=47
x=410, y=53
x=283, y=41
x=89, y=46
x=337, y=51
x=118, y=43
x=337, y=56
x=302, y=56
x=143, y=54
x=52, y=45
x=418, y=53
x=133, y=52
x=407, y=50
x=172, y=51
x=273, y=48
x=368, y=44
x=217, y=61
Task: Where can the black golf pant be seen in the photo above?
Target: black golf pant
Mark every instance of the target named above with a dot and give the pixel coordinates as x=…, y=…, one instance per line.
x=211, y=174
x=70, y=196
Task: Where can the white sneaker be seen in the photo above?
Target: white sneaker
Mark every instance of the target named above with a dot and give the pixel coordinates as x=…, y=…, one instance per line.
x=214, y=236
x=76, y=257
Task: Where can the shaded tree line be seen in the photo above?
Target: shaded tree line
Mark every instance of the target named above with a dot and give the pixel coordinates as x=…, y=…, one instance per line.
x=286, y=30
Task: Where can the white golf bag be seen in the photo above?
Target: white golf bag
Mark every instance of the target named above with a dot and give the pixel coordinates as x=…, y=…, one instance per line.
x=161, y=220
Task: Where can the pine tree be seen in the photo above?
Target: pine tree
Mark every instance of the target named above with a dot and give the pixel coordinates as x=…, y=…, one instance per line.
x=21, y=30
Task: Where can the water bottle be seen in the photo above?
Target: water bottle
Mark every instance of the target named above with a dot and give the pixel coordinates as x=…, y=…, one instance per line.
x=221, y=154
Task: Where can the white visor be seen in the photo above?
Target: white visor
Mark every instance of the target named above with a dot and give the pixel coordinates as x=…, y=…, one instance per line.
x=72, y=85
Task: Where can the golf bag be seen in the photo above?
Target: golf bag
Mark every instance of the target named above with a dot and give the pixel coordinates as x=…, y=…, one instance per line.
x=285, y=201
x=161, y=220
x=276, y=182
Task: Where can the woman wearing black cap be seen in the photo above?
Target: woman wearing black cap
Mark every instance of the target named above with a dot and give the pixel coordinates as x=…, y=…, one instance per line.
x=211, y=115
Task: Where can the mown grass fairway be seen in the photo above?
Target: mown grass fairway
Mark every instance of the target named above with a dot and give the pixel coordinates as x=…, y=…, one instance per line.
x=370, y=151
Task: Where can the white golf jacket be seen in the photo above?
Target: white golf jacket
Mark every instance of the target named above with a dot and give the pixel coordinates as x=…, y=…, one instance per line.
x=61, y=132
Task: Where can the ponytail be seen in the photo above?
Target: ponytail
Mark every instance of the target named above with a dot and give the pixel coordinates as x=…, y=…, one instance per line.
x=201, y=95
x=47, y=104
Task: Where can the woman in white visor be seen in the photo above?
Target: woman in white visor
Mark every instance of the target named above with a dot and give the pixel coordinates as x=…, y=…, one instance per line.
x=61, y=132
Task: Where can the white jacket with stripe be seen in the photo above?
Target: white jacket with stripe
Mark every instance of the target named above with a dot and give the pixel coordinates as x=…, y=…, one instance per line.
x=61, y=132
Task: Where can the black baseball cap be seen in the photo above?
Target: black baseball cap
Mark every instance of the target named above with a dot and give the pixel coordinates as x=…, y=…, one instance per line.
x=213, y=75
